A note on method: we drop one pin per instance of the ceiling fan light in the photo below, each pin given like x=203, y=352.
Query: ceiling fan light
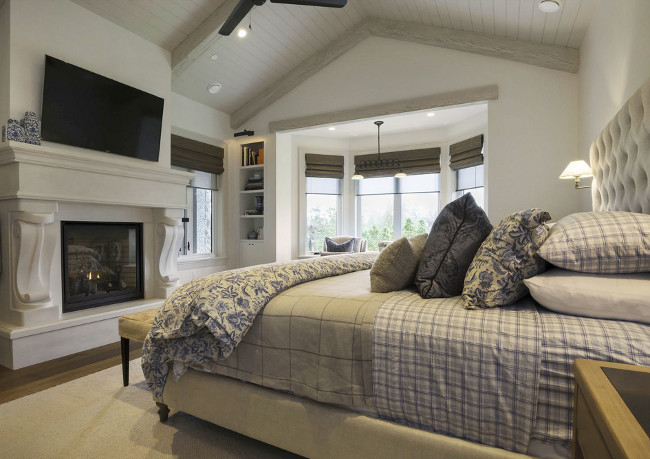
x=241, y=33
x=357, y=176
x=549, y=6
x=400, y=174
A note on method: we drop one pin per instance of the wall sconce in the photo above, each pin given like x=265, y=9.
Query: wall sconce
x=576, y=170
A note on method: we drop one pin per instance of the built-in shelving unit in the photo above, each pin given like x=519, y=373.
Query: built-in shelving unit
x=251, y=204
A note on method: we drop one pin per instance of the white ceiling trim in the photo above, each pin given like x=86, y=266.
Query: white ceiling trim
x=447, y=99
x=550, y=56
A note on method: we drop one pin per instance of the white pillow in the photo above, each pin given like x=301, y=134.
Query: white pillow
x=606, y=296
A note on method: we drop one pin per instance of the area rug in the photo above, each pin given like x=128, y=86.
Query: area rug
x=95, y=416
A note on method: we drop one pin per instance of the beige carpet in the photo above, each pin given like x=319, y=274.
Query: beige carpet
x=96, y=417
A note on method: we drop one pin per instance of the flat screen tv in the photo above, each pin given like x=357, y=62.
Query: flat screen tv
x=87, y=110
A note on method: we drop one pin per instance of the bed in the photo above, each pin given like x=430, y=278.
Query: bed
x=303, y=356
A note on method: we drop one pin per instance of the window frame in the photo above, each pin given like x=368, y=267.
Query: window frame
x=216, y=257
x=456, y=193
x=302, y=201
x=397, y=204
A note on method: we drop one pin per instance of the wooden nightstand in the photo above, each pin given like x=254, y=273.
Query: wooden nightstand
x=603, y=425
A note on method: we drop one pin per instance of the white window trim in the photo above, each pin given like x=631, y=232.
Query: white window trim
x=217, y=258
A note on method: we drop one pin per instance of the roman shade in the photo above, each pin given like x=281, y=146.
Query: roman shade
x=194, y=155
x=323, y=166
x=467, y=153
x=413, y=162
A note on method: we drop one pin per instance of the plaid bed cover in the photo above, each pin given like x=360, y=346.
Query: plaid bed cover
x=205, y=319
x=500, y=376
x=472, y=374
x=566, y=338
x=313, y=340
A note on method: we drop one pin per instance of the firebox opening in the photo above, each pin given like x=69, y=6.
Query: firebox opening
x=102, y=264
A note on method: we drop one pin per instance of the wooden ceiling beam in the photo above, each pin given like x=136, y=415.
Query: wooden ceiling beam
x=542, y=55
x=201, y=39
x=549, y=56
x=447, y=99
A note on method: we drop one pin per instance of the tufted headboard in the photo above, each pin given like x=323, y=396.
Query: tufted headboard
x=620, y=158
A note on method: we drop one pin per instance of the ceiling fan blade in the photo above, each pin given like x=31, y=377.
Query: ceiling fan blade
x=238, y=13
x=326, y=3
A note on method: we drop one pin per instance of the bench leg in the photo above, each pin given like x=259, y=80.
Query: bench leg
x=163, y=411
x=125, y=361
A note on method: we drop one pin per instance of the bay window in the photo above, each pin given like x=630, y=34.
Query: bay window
x=389, y=208
x=323, y=204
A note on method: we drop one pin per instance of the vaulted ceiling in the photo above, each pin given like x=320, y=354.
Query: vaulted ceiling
x=288, y=43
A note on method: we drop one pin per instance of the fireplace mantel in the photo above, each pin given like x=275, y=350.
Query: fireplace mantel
x=43, y=185
x=56, y=173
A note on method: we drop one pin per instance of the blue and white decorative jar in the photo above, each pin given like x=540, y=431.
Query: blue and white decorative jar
x=32, y=127
x=13, y=131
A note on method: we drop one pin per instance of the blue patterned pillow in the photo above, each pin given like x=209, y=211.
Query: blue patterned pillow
x=507, y=257
x=347, y=246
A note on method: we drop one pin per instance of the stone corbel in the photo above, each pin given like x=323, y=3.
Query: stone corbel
x=169, y=232
x=34, y=241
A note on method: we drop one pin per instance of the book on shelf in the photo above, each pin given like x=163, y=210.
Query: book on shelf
x=251, y=156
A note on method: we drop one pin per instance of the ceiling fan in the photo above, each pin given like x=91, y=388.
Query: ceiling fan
x=244, y=6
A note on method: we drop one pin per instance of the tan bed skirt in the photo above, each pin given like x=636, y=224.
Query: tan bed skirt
x=308, y=428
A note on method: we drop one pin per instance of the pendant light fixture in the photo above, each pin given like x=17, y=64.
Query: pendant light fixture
x=377, y=164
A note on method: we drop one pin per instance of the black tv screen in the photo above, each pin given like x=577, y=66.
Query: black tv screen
x=87, y=110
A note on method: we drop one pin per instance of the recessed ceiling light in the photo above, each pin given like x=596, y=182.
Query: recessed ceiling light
x=214, y=88
x=241, y=33
x=332, y=128
x=549, y=6
x=214, y=57
x=431, y=114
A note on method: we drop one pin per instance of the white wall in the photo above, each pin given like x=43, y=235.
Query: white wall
x=208, y=123
x=70, y=32
x=533, y=124
x=4, y=63
x=614, y=63
x=199, y=122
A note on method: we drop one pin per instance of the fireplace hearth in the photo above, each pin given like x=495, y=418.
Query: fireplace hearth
x=102, y=264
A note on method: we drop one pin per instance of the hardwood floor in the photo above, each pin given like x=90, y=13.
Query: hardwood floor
x=18, y=383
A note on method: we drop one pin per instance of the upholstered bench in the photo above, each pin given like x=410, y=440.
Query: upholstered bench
x=133, y=326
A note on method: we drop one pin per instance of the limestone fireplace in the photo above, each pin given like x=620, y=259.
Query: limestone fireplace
x=43, y=186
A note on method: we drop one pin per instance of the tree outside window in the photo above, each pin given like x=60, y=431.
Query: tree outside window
x=390, y=208
x=323, y=202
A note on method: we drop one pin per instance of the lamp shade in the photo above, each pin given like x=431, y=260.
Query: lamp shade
x=576, y=169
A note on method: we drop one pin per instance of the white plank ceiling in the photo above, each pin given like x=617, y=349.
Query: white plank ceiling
x=284, y=36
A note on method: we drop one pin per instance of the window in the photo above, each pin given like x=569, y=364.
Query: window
x=323, y=206
x=198, y=224
x=466, y=160
x=389, y=208
x=471, y=180
x=205, y=161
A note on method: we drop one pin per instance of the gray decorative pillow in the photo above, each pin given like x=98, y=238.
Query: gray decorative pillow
x=507, y=257
x=347, y=246
x=455, y=237
x=600, y=243
x=395, y=267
